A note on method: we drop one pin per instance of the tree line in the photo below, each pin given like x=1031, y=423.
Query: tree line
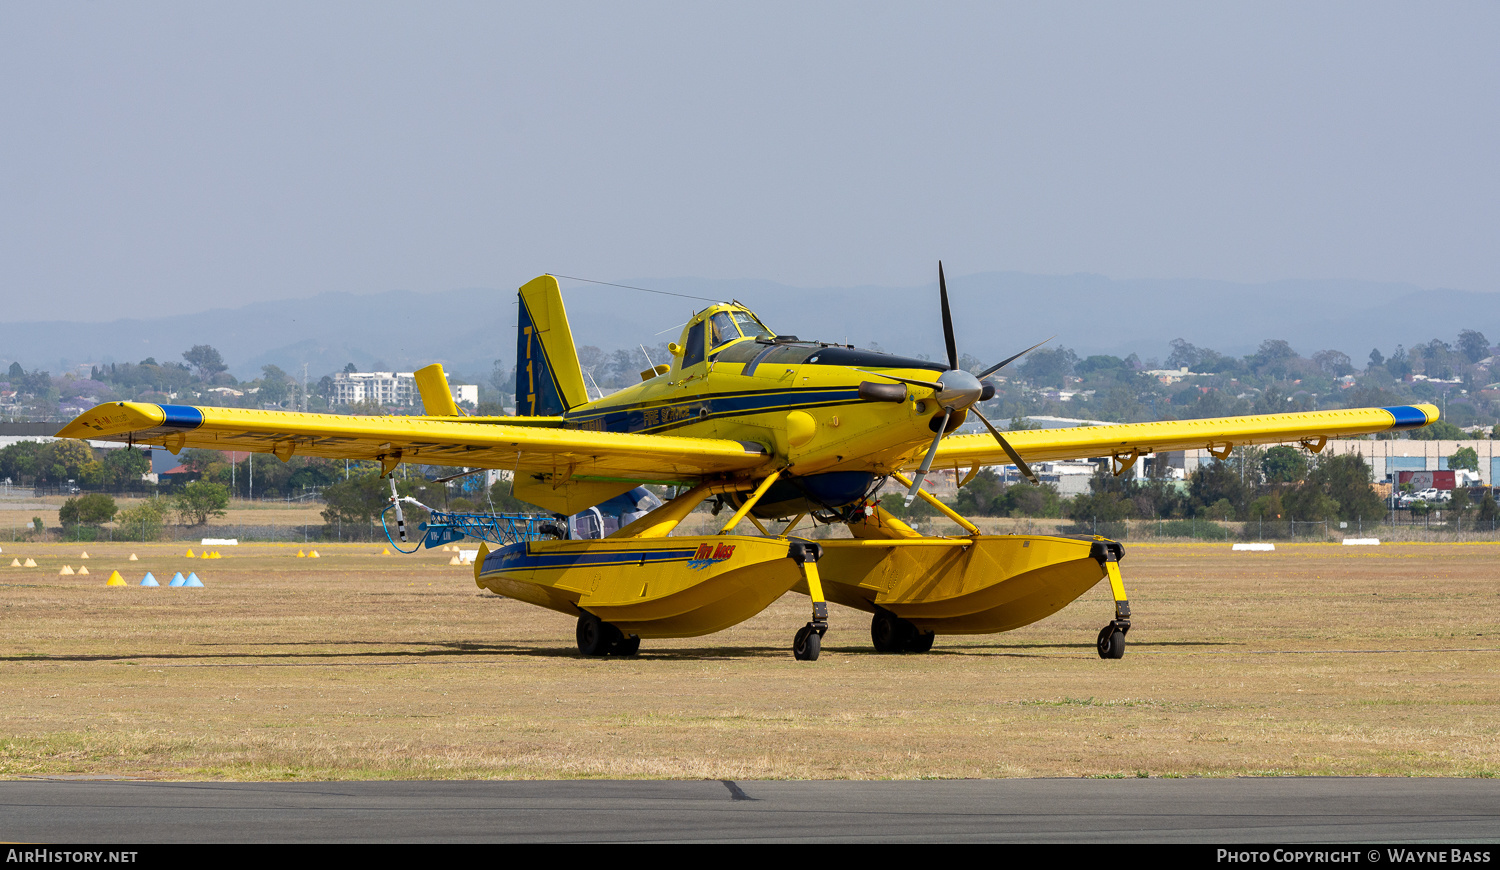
x=1253, y=484
x=58, y=462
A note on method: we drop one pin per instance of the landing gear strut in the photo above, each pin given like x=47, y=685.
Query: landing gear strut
x=1111, y=641
x=809, y=640
x=891, y=633
x=598, y=638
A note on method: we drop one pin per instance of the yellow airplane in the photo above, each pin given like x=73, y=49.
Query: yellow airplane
x=772, y=429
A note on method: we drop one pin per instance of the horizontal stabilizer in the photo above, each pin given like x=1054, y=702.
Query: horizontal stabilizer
x=437, y=396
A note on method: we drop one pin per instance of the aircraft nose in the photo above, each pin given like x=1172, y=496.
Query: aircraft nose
x=959, y=390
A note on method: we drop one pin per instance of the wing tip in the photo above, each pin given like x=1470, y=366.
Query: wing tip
x=1412, y=416
x=113, y=418
x=74, y=429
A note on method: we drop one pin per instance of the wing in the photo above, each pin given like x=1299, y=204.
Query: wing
x=1218, y=434
x=559, y=467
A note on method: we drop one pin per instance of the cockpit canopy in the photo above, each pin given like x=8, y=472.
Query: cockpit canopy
x=730, y=332
x=713, y=328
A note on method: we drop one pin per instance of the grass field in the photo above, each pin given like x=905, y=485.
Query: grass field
x=291, y=518
x=1314, y=659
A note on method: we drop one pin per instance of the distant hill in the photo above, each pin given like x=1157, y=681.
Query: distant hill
x=995, y=314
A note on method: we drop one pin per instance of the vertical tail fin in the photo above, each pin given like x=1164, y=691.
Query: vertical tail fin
x=548, y=378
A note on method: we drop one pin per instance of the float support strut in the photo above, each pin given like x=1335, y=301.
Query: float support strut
x=946, y=511
x=750, y=502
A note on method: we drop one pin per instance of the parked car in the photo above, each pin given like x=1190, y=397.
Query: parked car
x=1405, y=500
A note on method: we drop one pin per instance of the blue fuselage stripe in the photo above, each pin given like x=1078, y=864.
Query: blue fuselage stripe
x=669, y=414
x=518, y=557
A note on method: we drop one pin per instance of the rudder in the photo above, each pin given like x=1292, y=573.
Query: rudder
x=548, y=378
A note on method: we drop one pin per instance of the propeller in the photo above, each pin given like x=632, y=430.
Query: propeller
x=956, y=391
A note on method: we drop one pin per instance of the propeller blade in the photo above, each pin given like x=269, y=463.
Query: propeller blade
x=1003, y=363
x=916, y=482
x=931, y=385
x=1010, y=451
x=947, y=319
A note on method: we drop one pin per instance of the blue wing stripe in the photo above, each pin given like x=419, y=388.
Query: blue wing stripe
x=1407, y=417
x=178, y=418
x=181, y=417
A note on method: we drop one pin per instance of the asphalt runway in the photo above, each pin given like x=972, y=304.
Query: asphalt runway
x=1269, y=810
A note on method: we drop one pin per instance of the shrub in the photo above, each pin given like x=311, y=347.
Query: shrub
x=146, y=521
x=94, y=509
x=200, y=500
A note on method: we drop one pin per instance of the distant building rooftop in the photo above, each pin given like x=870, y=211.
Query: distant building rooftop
x=1171, y=376
x=29, y=428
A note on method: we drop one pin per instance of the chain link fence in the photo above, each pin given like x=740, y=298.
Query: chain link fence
x=246, y=532
x=1450, y=528
x=1395, y=526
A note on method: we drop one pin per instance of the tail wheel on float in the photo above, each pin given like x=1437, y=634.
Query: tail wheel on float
x=891, y=633
x=807, y=644
x=1111, y=642
x=808, y=641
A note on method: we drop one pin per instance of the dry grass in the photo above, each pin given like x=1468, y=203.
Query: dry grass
x=17, y=512
x=1315, y=659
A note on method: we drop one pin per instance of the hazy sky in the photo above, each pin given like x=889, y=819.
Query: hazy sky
x=177, y=157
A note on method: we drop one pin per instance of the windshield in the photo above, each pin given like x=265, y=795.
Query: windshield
x=720, y=330
x=749, y=326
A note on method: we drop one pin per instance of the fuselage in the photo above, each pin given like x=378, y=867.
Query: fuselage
x=731, y=378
